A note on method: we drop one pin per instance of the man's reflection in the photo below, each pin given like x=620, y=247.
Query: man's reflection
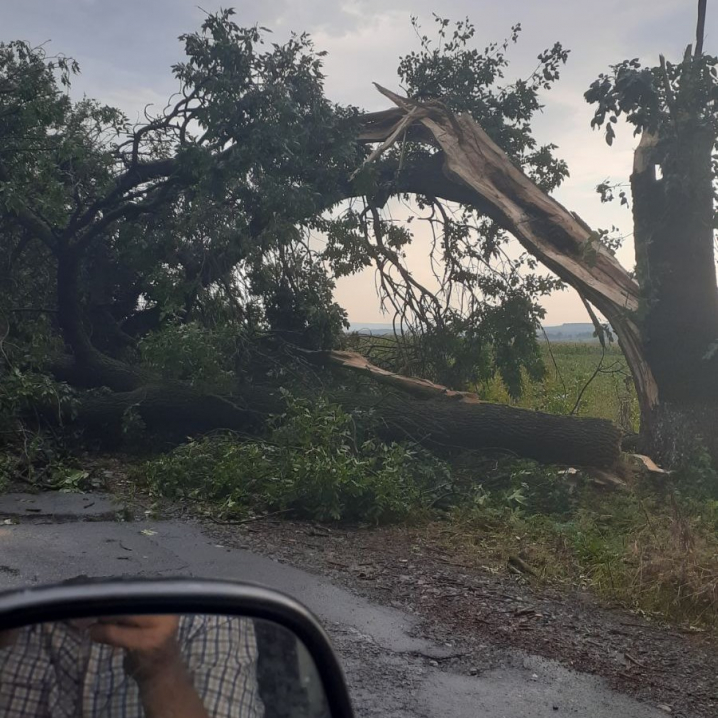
x=126, y=666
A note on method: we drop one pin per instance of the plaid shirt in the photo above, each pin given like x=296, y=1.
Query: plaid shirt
x=54, y=670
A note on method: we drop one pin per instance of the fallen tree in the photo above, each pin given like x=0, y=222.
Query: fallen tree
x=409, y=409
x=138, y=234
x=441, y=418
x=113, y=240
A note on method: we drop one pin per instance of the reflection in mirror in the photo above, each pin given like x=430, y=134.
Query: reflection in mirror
x=189, y=666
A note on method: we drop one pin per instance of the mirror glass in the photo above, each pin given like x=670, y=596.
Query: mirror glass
x=183, y=666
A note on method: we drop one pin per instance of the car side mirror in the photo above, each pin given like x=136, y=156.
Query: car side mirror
x=180, y=647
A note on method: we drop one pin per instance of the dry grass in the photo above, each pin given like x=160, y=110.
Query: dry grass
x=652, y=553
x=672, y=568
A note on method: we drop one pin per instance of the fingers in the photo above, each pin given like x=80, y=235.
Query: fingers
x=168, y=623
x=135, y=633
x=114, y=635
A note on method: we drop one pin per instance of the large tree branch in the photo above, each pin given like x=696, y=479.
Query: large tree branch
x=29, y=221
x=127, y=211
x=475, y=171
x=545, y=228
x=135, y=176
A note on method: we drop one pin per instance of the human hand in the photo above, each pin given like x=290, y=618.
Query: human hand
x=150, y=642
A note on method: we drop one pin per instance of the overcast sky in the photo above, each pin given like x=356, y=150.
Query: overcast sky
x=126, y=48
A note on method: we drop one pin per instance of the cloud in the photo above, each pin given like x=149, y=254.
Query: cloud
x=364, y=55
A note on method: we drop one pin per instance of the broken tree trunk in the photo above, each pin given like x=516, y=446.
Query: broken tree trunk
x=673, y=234
x=440, y=418
x=476, y=171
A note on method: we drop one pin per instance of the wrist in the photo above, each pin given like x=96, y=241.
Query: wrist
x=154, y=667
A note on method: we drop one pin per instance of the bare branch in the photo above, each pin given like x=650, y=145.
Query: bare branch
x=600, y=331
x=596, y=372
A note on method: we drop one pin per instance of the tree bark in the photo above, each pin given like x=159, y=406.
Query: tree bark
x=166, y=407
x=162, y=404
x=443, y=425
x=675, y=265
x=92, y=367
x=673, y=234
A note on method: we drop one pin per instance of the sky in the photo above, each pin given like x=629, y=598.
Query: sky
x=126, y=49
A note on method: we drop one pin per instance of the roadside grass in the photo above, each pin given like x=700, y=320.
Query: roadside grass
x=647, y=549
x=650, y=547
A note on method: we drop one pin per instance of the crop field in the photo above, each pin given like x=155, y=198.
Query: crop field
x=580, y=378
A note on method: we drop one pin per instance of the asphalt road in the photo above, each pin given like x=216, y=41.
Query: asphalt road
x=391, y=672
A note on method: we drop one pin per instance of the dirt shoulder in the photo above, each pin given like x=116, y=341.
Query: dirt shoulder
x=476, y=609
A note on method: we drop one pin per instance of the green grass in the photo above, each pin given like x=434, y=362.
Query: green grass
x=601, y=380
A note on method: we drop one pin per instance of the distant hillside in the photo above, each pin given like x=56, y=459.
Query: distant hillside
x=370, y=328
x=569, y=332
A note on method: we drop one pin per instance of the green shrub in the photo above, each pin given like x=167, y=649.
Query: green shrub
x=515, y=488
x=24, y=393
x=315, y=463
x=7, y=468
x=33, y=407
x=202, y=356
x=696, y=474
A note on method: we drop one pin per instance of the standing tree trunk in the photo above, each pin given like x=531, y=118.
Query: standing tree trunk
x=675, y=266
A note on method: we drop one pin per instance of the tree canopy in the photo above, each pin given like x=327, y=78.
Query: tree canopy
x=205, y=212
